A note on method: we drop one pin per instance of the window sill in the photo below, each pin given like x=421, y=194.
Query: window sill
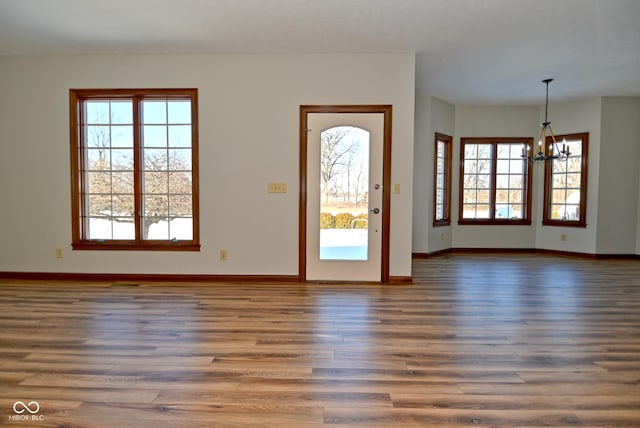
x=488, y=222
x=135, y=246
x=561, y=223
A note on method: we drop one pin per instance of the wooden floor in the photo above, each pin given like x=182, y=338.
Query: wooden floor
x=477, y=340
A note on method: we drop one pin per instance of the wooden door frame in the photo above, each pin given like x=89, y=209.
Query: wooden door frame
x=386, y=110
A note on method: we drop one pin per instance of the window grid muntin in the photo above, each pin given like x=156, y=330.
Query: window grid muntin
x=442, y=180
x=477, y=180
x=79, y=161
x=566, y=179
x=515, y=169
x=470, y=170
x=169, y=154
x=103, y=141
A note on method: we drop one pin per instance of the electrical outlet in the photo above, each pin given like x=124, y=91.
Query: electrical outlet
x=224, y=255
x=59, y=253
x=442, y=236
x=563, y=237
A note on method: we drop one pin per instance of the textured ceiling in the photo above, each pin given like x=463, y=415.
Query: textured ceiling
x=467, y=51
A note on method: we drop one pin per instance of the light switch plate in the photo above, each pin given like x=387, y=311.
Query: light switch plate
x=277, y=187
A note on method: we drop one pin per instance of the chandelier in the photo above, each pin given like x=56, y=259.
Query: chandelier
x=554, y=150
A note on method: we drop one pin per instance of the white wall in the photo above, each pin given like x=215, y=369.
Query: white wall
x=568, y=118
x=422, y=175
x=248, y=115
x=432, y=115
x=618, y=182
x=443, y=121
x=488, y=121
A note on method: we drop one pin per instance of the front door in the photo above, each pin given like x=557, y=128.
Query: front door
x=345, y=196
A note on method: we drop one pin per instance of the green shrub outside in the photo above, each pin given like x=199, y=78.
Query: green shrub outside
x=343, y=221
x=327, y=221
x=359, y=223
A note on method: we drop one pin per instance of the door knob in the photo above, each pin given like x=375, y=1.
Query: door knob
x=375, y=210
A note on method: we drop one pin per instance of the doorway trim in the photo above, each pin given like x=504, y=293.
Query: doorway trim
x=386, y=110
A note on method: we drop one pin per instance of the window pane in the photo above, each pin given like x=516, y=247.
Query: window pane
x=502, y=181
x=503, y=151
x=155, y=160
x=180, y=159
x=470, y=151
x=122, y=136
x=100, y=205
x=179, y=111
x=516, y=166
x=99, y=182
x=180, y=205
x=122, y=182
x=98, y=136
x=557, y=211
x=156, y=229
x=515, y=197
x=469, y=211
x=98, y=159
x=503, y=211
x=470, y=166
x=180, y=182
x=573, y=164
x=572, y=212
x=484, y=181
x=559, y=180
x=559, y=166
x=181, y=228
x=559, y=196
x=573, y=180
x=99, y=228
x=156, y=206
x=97, y=112
x=156, y=182
x=154, y=112
x=484, y=151
x=516, y=212
x=484, y=166
x=123, y=228
x=124, y=206
x=482, y=211
x=575, y=147
x=469, y=196
x=470, y=181
x=483, y=196
x=502, y=196
x=155, y=136
x=122, y=159
x=122, y=112
x=180, y=136
x=515, y=181
x=502, y=166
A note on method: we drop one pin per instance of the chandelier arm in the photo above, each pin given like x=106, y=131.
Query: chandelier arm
x=553, y=137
